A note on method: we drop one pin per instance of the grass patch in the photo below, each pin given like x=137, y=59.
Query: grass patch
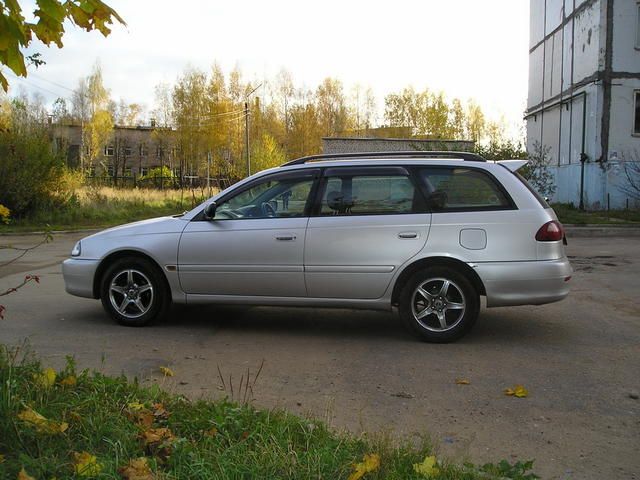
x=568, y=214
x=98, y=425
x=107, y=206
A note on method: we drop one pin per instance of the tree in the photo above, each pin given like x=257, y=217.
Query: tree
x=267, y=154
x=332, y=110
x=537, y=171
x=631, y=168
x=16, y=33
x=91, y=107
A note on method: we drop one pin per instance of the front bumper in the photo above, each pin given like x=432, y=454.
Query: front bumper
x=78, y=276
x=525, y=283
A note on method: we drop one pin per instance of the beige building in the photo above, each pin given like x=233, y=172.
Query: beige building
x=131, y=150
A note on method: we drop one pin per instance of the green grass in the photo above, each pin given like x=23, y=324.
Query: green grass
x=246, y=443
x=568, y=214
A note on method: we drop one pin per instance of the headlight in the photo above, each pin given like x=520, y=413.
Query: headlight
x=77, y=249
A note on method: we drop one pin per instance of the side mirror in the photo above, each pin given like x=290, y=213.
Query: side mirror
x=210, y=211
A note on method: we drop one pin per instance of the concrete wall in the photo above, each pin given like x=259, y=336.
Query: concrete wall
x=569, y=57
x=352, y=145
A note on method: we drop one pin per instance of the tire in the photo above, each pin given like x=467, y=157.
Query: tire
x=133, y=292
x=447, y=313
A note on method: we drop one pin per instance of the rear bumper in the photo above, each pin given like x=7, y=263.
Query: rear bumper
x=78, y=276
x=525, y=283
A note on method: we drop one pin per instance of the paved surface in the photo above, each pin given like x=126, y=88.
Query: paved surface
x=579, y=358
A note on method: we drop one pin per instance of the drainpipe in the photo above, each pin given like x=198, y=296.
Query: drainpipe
x=583, y=155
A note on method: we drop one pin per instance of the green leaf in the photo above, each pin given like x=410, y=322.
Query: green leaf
x=15, y=61
x=53, y=9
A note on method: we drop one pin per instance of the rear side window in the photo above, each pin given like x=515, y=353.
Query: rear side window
x=462, y=189
x=539, y=197
x=369, y=195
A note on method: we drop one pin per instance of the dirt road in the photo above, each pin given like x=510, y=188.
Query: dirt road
x=580, y=360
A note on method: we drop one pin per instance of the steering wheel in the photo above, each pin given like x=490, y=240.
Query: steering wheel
x=267, y=209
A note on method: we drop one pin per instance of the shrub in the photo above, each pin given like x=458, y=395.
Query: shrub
x=30, y=171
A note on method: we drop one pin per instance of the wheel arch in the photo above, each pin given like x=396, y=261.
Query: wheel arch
x=422, y=263
x=113, y=256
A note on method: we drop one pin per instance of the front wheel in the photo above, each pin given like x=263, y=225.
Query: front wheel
x=439, y=304
x=133, y=292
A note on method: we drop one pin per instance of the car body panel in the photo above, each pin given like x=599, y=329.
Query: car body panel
x=356, y=256
x=262, y=257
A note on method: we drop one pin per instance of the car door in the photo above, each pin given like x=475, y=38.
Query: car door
x=367, y=222
x=254, y=245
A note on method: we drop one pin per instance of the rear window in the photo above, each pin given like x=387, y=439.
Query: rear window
x=539, y=197
x=460, y=189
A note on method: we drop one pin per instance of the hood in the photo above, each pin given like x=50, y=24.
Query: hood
x=144, y=227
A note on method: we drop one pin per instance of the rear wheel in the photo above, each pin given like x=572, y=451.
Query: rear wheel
x=439, y=304
x=133, y=292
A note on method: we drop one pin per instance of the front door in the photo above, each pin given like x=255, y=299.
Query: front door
x=254, y=245
x=371, y=220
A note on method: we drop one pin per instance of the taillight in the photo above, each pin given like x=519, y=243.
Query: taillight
x=550, y=232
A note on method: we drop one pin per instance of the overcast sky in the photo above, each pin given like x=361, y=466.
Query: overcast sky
x=467, y=48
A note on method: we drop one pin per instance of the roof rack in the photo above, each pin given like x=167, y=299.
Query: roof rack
x=467, y=156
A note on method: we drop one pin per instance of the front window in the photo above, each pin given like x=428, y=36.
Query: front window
x=108, y=151
x=369, y=195
x=277, y=198
x=459, y=189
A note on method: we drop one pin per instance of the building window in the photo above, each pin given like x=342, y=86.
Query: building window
x=108, y=151
x=127, y=151
x=159, y=152
x=636, y=113
x=143, y=150
x=110, y=170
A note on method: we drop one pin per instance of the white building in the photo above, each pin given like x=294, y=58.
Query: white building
x=584, y=95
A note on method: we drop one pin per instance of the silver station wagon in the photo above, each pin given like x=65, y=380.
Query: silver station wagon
x=425, y=232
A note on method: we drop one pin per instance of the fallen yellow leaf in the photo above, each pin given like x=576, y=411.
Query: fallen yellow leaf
x=157, y=435
x=370, y=463
x=41, y=424
x=86, y=465
x=517, y=391
x=166, y=371
x=137, y=469
x=70, y=381
x=1, y=458
x=428, y=467
x=159, y=411
x=212, y=432
x=23, y=475
x=135, y=406
x=462, y=381
x=46, y=379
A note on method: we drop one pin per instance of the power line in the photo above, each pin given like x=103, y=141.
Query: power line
x=16, y=77
x=51, y=82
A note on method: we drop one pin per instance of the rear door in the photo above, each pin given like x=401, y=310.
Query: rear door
x=367, y=222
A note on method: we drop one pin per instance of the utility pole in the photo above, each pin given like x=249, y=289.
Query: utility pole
x=246, y=136
x=246, y=127
x=209, y=172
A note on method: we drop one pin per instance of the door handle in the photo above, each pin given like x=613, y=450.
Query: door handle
x=408, y=235
x=286, y=238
